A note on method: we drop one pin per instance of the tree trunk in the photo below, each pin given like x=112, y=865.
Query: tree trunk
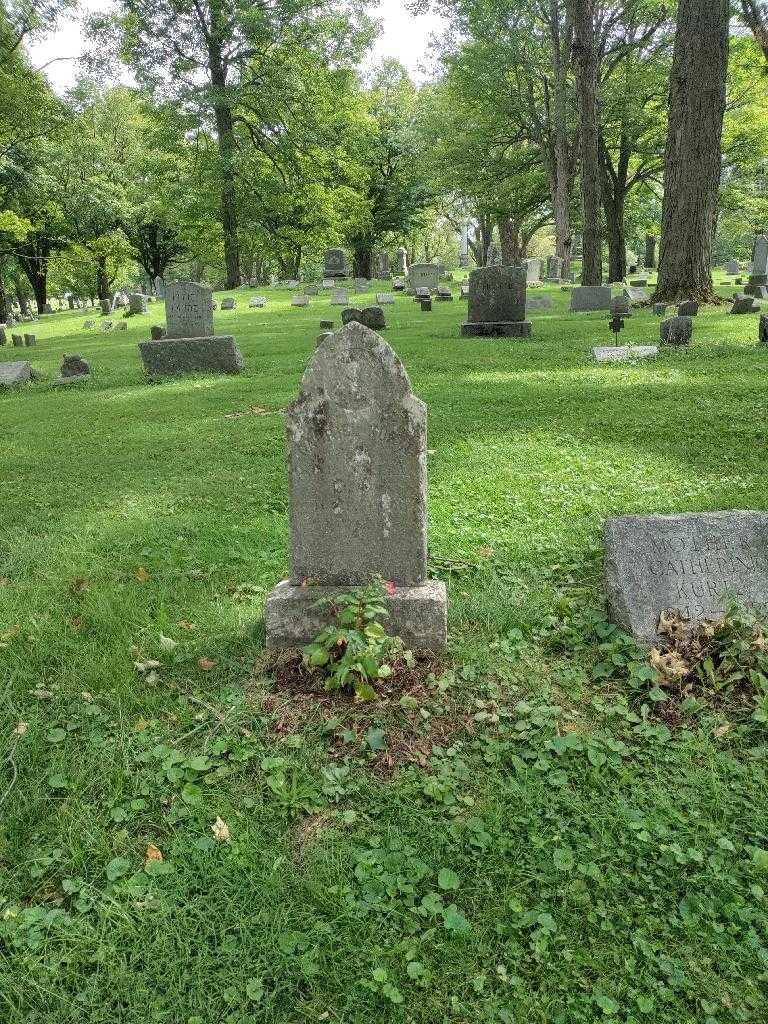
x=585, y=54
x=362, y=260
x=511, y=242
x=692, y=163
x=649, y=260
x=22, y=299
x=561, y=169
x=102, y=278
x=34, y=262
x=5, y=306
x=613, y=186
x=225, y=134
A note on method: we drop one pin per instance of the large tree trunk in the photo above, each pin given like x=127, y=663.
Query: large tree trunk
x=34, y=262
x=225, y=134
x=102, y=278
x=362, y=260
x=22, y=300
x=5, y=306
x=561, y=164
x=692, y=160
x=585, y=54
x=613, y=185
x=512, y=246
x=481, y=243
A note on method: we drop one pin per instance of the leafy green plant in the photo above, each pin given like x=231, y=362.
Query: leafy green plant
x=355, y=650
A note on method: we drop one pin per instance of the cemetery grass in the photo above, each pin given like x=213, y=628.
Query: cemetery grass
x=519, y=839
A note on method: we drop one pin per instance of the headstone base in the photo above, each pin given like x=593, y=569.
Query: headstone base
x=417, y=614
x=622, y=353
x=755, y=284
x=171, y=356
x=519, y=329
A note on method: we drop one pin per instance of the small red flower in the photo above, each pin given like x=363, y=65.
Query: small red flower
x=390, y=588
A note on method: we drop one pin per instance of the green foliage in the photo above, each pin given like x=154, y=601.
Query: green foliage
x=355, y=650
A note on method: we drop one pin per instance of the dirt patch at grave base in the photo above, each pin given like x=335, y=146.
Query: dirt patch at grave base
x=298, y=698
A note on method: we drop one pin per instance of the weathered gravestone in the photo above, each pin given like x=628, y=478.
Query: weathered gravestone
x=694, y=563
x=733, y=267
x=382, y=266
x=328, y=283
x=137, y=303
x=543, y=302
x=12, y=374
x=554, y=268
x=372, y=317
x=533, y=271
x=744, y=304
x=589, y=298
x=300, y=300
x=257, y=302
x=228, y=303
x=659, y=308
x=106, y=307
x=340, y=297
x=312, y=289
x=30, y=340
x=159, y=287
x=18, y=340
x=497, y=304
x=623, y=353
x=424, y=275
x=620, y=305
x=190, y=345
x=759, y=274
x=336, y=264
x=676, y=330
x=401, y=262
x=426, y=304
x=399, y=284
x=74, y=370
x=385, y=298
x=421, y=293
x=689, y=307
x=357, y=478
x=444, y=293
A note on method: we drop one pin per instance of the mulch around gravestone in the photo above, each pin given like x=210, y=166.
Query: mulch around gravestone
x=297, y=698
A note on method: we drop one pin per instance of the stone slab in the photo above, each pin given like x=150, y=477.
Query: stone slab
x=11, y=374
x=693, y=563
x=622, y=353
x=172, y=356
x=417, y=614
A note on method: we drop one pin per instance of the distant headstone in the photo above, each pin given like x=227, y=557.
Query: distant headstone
x=399, y=284
x=744, y=304
x=228, y=303
x=328, y=283
x=620, y=305
x=122, y=325
x=444, y=293
x=190, y=345
x=421, y=293
x=159, y=287
x=18, y=340
x=426, y=304
x=623, y=353
x=300, y=300
x=693, y=563
x=188, y=310
x=759, y=273
x=554, y=268
x=659, y=308
x=351, y=315
x=106, y=307
x=137, y=303
x=638, y=282
x=542, y=302
x=12, y=374
x=74, y=366
x=257, y=302
x=382, y=266
x=676, y=330
x=401, y=262
x=424, y=275
x=336, y=264
x=340, y=297
x=464, y=291
x=312, y=289
x=733, y=267
x=30, y=340
x=357, y=488
x=688, y=308
x=385, y=298
x=589, y=298
x=497, y=304
x=533, y=271
x=107, y=326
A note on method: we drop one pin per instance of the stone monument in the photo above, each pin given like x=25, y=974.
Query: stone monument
x=190, y=345
x=401, y=263
x=497, y=304
x=758, y=278
x=693, y=563
x=589, y=298
x=357, y=480
x=424, y=275
x=336, y=264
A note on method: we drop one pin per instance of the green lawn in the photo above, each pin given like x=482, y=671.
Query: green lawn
x=549, y=854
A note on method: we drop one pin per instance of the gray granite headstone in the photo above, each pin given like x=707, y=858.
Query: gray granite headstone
x=18, y=340
x=744, y=304
x=533, y=271
x=401, y=262
x=257, y=302
x=188, y=310
x=589, y=298
x=30, y=340
x=137, y=303
x=357, y=486
x=676, y=330
x=759, y=273
x=385, y=298
x=688, y=308
x=300, y=300
x=693, y=563
x=497, y=297
x=339, y=297
x=424, y=275
x=733, y=267
x=336, y=264
x=228, y=303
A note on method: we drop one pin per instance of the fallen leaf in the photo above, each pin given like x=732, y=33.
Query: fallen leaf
x=41, y=693
x=721, y=730
x=221, y=831
x=4, y=581
x=671, y=666
x=486, y=551
x=21, y=729
x=153, y=853
x=152, y=678
x=79, y=585
x=141, y=725
x=76, y=623
x=186, y=624
x=142, y=575
x=166, y=644
x=206, y=664
x=86, y=696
